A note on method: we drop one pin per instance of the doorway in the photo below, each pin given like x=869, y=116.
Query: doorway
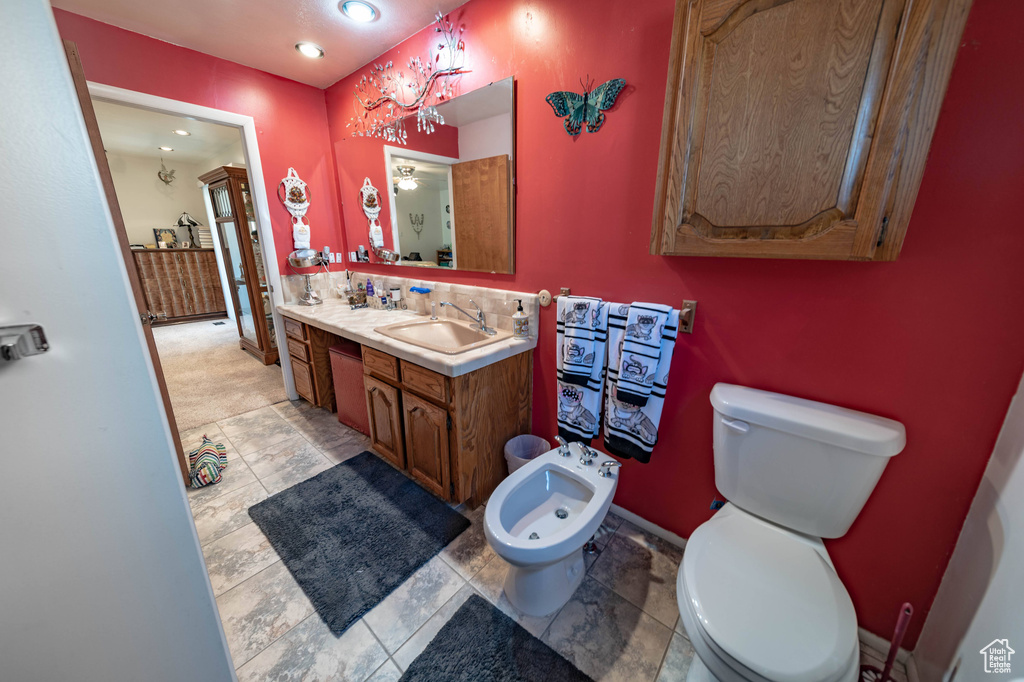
x=87, y=93
x=186, y=204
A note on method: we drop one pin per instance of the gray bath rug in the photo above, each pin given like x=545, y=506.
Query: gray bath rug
x=481, y=644
x=354, y=533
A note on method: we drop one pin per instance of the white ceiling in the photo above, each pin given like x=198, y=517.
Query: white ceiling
x=430, y=175
x=262, y=33
x=138, y=132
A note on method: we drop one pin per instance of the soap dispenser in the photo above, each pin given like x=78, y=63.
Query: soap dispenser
x=520, y=322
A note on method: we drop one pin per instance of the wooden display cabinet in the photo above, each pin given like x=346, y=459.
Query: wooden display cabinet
x=243, y=258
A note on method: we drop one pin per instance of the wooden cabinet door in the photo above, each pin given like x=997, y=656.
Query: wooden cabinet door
x=426, y=444
x=482, y=215
x=303, y=376
x=384, y=411
x=799, y=128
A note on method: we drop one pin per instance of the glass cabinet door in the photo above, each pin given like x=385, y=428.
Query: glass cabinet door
x=233, y=258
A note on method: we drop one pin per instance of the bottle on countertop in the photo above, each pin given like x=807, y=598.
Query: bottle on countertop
x=369, y=293
x=520, y=322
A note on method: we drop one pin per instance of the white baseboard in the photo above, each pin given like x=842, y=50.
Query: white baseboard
x=640, y=522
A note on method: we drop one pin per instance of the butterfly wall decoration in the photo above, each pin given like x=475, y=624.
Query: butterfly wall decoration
x=585, y=110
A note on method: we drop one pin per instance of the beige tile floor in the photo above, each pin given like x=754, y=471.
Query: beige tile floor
x=622, y=623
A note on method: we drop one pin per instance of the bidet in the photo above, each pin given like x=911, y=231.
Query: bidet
x=538, y=520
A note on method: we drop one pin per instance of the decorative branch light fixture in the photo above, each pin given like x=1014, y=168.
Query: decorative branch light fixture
x=386, y=96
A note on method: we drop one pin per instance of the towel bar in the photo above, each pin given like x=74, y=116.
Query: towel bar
x=687, y=312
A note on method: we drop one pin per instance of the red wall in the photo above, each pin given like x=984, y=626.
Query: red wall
x=935, y=340
x=289, y=116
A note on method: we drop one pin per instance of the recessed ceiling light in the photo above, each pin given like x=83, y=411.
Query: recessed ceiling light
x=181, y=132
x=358, y=10
x=311, y=50
x=166, y=149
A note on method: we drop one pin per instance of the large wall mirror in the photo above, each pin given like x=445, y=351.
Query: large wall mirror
x=453, y=206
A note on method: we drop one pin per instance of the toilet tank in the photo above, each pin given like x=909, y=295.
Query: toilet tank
x=802, y=464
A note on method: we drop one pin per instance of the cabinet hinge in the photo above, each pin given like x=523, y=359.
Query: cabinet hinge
x=882, y=232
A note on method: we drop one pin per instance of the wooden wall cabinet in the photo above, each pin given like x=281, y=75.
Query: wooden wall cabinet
x=180, y=284
x=448, y=433
x=799, y=128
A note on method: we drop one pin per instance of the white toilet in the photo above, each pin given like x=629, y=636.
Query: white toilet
x=758, y=595
x=539, y=518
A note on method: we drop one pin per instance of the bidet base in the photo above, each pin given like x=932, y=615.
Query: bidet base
x=542, y=590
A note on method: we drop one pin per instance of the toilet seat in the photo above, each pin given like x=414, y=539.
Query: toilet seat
x=767, y=602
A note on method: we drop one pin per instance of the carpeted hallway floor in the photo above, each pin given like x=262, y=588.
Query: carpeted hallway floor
x=209, y=377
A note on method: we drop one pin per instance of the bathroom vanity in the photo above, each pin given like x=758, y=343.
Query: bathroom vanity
x=442, y=418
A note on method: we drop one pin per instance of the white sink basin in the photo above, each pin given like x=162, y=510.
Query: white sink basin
x=443, y=336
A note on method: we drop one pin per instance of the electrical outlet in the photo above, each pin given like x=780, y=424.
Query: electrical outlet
x=330, y=258
x=352, y=257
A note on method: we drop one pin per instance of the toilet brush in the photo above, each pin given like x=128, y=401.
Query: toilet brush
x=869, y=673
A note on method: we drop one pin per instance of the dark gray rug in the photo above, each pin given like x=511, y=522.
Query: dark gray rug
x=354, y=533
x=481, y=644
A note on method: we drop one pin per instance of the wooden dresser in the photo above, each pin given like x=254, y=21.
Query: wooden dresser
x=180, y=284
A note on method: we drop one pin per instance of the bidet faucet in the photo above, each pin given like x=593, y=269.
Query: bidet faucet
x=478, y=318
x=606, y=468
x=563, y=447
x=589, y=455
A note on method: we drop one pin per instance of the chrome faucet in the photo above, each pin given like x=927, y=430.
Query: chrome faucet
x=563, y=447
x=606, y=468
x=588, y=456
x=478, y=318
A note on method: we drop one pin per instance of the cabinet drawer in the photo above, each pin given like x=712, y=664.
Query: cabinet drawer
x=381, y=364
x=303, y=375
x=298, y=350
x=425, y=382
x=294, y=329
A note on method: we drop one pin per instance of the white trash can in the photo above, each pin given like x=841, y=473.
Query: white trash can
x=522, y=449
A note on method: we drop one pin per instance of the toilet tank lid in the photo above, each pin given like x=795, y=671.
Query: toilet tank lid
x=810, y=419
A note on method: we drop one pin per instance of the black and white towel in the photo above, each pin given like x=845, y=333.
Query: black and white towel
x=631, y=430
x=641, y=351
x=582, y=336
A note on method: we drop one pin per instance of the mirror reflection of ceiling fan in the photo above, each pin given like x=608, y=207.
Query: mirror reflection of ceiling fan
x=405, y=180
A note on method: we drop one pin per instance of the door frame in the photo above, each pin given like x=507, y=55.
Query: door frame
x=254, y=167
x=391, y=150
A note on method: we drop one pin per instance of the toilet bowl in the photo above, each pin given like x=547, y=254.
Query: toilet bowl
x=760, y=602
x=758, y=595
x=538, y=520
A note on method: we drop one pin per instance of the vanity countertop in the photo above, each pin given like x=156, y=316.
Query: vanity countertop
x=335, y=316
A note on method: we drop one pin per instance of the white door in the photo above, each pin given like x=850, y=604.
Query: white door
x=101, y=575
